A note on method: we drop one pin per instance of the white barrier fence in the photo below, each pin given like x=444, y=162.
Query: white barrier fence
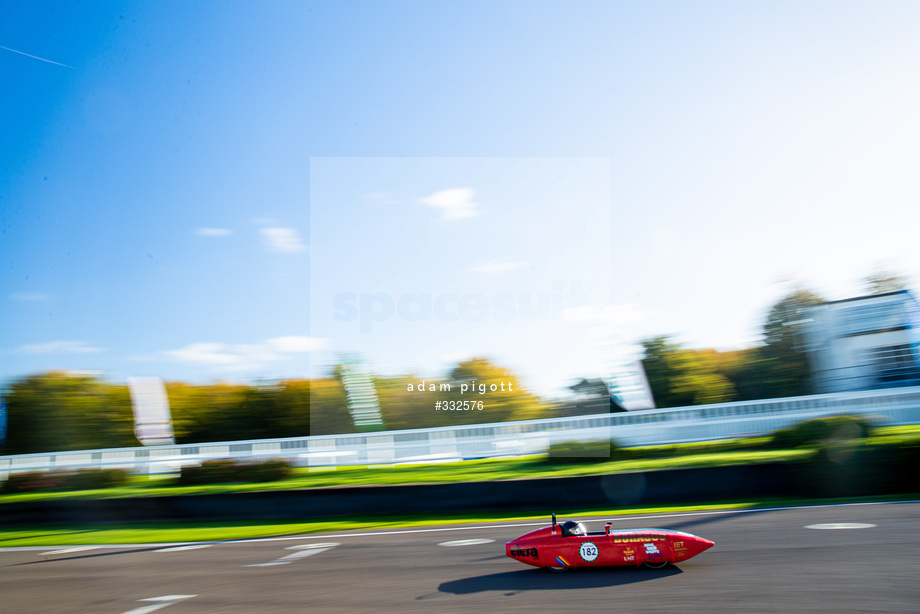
x=678, y=425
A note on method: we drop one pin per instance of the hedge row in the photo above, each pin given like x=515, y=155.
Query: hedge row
x=210, y=472
x=821, y=430
x=84, y=479
x=810, y=432
x=220, y=471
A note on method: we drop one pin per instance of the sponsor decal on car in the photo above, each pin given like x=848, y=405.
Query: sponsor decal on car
x=638, y=538
x=525, y=553
x=562, y=561
x=588, y=552
x=651, y=549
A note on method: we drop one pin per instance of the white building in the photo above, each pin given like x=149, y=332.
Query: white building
x=865, y=342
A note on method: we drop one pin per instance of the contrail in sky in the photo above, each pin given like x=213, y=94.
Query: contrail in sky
x=35, y=57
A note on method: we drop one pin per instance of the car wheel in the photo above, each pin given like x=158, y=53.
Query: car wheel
x=659, y=565
x=556, y=569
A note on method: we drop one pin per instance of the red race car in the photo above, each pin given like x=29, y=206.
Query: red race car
x=560, y=547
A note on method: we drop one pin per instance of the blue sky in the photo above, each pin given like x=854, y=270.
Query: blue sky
x=512, y=261
x=155, y=199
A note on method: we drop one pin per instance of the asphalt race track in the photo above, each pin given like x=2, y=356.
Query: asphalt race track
x=764, y=561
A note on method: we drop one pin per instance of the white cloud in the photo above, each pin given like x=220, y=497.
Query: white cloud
x=29, y=296
x=497, y=267
x=59, y=347
x=206, y=354
x=243, y=357
x=213, y=232
x=283, y=240
x=296, y=344
x=455, y=203
x=610, y=314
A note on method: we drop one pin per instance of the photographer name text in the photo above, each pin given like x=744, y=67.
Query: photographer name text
x=470, y=387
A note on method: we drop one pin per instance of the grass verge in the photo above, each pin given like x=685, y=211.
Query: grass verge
x=160, y=533
x=464, y=471
x=700, y=454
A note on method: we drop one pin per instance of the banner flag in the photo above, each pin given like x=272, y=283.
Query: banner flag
x=152, y=420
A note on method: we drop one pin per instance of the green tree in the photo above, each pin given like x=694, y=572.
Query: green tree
x=58, y=411
x=661, y=371
x=228, y=412
x=782, y=363
x=329, y=407
x=293, y=417
x=215, y=412
x=744, y=369
x=592, y=396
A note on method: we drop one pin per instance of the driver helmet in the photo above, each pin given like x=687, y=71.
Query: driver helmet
x=571, y=528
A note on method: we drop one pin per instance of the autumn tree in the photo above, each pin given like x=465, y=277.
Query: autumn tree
x=515, y=403
x=884, y=281
x=404, y=406
x=698, y=379
x=679, y=376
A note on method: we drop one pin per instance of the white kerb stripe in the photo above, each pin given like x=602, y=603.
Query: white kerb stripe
x=161, y=602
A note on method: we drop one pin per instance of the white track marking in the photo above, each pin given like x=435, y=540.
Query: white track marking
x=841, y=525
x=109, y=546
x=399, y=532
x=470, y=528
x=299, y=553
x=544, y=523
x=159, y=602
x=308, y=546
x=467, y=542
x=178, y=548
x=69, y=550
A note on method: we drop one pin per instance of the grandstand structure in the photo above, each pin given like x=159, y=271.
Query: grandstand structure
x=864, y=343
